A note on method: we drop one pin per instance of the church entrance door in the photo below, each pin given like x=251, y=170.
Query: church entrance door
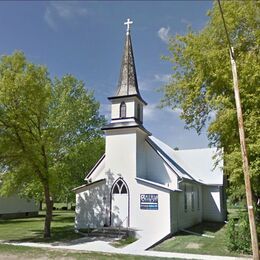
x=119, y=204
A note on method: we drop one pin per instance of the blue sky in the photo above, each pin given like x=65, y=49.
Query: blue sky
x=86, y=39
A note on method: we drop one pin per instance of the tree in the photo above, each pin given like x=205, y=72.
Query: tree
x=79, y=162
x=47, y=127
x=202, y=86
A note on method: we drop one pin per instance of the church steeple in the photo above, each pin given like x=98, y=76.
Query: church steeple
x=127, y=103
x=127, y=84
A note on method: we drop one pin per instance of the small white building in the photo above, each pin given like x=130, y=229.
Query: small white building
x=142, y=183
x=14, y=207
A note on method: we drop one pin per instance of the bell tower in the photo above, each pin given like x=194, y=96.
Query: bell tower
x=127, y=103
x=125, y=134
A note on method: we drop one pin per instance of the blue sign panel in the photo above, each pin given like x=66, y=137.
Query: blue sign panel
x=149, y=201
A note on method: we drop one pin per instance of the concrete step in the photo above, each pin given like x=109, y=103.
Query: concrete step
x=107, y=234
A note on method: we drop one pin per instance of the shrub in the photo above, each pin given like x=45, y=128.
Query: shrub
x=238, y=235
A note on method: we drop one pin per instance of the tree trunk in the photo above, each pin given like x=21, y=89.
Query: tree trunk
x=48, y=216
x=40, y=204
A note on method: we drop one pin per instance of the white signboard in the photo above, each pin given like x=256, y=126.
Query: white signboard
x=149, y=201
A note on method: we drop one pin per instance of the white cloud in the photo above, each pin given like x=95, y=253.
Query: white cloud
x=152, y=112
x=185, y=22
x=154, y=82
x=176, y=111
x=145, y=85
x=165, y=78
x=163, y=34
x=48, y=17
x=63, y=11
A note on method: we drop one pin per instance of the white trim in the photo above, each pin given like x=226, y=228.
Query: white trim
x=89, y=185
x=156, y=184
x=95, y=166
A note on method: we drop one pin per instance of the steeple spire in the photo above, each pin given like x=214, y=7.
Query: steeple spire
x=128, y=84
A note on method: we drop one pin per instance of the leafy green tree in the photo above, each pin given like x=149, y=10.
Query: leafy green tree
x=79, y=162
x=202, y=85
x=49, y=131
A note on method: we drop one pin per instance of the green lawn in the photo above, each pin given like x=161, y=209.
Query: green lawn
x=123, y=242
x=31, y=229
x=195, y=244
x=25, y=253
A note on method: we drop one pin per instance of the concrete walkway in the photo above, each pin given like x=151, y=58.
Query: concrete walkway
x=102, y=245
x=146, y=240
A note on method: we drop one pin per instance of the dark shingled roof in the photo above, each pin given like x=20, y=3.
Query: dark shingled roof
x=128, y=84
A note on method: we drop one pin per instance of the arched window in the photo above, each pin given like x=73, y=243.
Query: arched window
x=122, y=110
x=119, y=187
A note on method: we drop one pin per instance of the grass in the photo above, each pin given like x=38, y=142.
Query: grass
x=31, y=229
x=123, y=242
x=183, y=242
x=7, y=251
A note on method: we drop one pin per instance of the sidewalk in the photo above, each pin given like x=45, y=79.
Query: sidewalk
x=145, y=241
x=103, y=246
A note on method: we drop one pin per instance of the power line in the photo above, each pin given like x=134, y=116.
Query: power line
x=226, y=31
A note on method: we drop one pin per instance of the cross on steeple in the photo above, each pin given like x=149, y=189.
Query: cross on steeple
x=127, y=23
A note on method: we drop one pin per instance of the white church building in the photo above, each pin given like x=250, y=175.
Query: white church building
x=141, y=182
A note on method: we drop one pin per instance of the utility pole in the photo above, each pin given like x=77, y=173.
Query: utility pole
x=249, y=199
